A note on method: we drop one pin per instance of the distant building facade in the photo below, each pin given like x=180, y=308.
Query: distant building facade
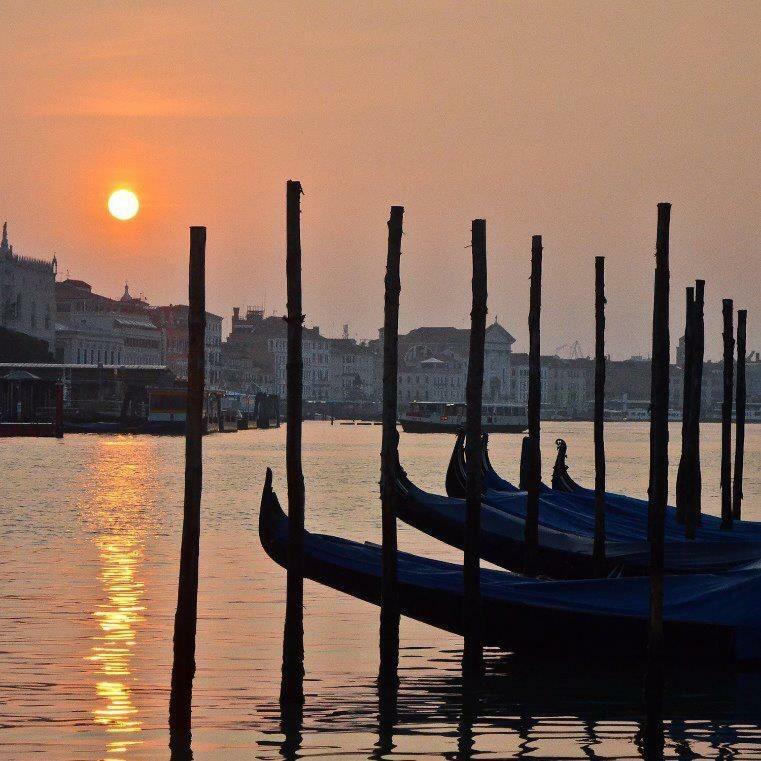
x=353, y=371
x=173, y=321
x=92, y=329
x=265, y=339
x=433, y=364
x=567, y=385
x=27, y=293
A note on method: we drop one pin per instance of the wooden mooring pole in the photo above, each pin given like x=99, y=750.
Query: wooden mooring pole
x=726, y=414
x=740, y=398
x=659, y=439
x=534, y=410
x=183, y=664
x=695, y=482
x=598, y=552
x=292, y=687
x=474, y=451
x=389, y=621
x=58, y=423
x=684, y=474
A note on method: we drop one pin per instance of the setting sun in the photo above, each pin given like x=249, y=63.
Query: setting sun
x=123, y=204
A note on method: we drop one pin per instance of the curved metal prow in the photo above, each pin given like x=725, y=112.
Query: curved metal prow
x=455, y=480
x=487, y=468
x=560, y=478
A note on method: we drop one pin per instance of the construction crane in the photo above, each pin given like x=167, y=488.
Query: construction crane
x=573, y=350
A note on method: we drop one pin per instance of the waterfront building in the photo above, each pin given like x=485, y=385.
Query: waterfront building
x=27, y=293
x=266, y=342
x=92, y=329
x=94, y=338
x=246, y=368
x=433, y=363
x=439, y=378
x=173, y=321
x=353, y=372
x=567, y=385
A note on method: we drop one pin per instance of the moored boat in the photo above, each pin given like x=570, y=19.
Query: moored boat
x=714, y=617
x=568, y=506
x=439, y=417
x=565, y=537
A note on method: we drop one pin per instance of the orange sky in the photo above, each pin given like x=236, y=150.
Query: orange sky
x=567, y=119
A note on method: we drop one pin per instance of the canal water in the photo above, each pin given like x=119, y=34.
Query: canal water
x=89, y=543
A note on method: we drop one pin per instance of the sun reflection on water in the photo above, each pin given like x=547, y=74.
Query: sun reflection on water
x=116, y=512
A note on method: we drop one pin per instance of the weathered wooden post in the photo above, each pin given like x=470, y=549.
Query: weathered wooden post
x=737, y=487
x=474, y=450
x=389, y=621
x=58, y=423
x=684, y=474
x=659, y=438
x=599, y=537
x=726, y=415
x=292, y=689
x=534, y=409
x=692, y=518
x=184, y=664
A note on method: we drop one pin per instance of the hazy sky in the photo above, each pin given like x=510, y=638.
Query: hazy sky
x=567, y=119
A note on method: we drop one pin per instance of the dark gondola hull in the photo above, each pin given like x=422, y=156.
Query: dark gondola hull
x=572, y=509
x=565, y=550
x=525, y=616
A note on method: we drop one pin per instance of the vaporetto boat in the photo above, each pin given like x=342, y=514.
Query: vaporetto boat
x=440, y=417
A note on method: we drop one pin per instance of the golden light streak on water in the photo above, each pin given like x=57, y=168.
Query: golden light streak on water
x=116, y=516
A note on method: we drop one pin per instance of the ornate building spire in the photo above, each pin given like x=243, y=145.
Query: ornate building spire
x=4, y=244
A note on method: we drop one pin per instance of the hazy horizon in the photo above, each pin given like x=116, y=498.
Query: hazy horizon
x=571, y=120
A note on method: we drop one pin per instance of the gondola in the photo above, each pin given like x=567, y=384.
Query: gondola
x=713, y=617
x=565, y=543
x=573, y=510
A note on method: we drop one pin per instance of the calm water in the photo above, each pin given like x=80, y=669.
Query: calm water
x=89, y=542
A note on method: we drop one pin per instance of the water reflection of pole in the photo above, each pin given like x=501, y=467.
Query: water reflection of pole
x=650, y=739
x=525, y=724
x=291, y=722
x=388, y=711
x=292, y=685
x=591, y=739
x=471, y=686
x=183, y=665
